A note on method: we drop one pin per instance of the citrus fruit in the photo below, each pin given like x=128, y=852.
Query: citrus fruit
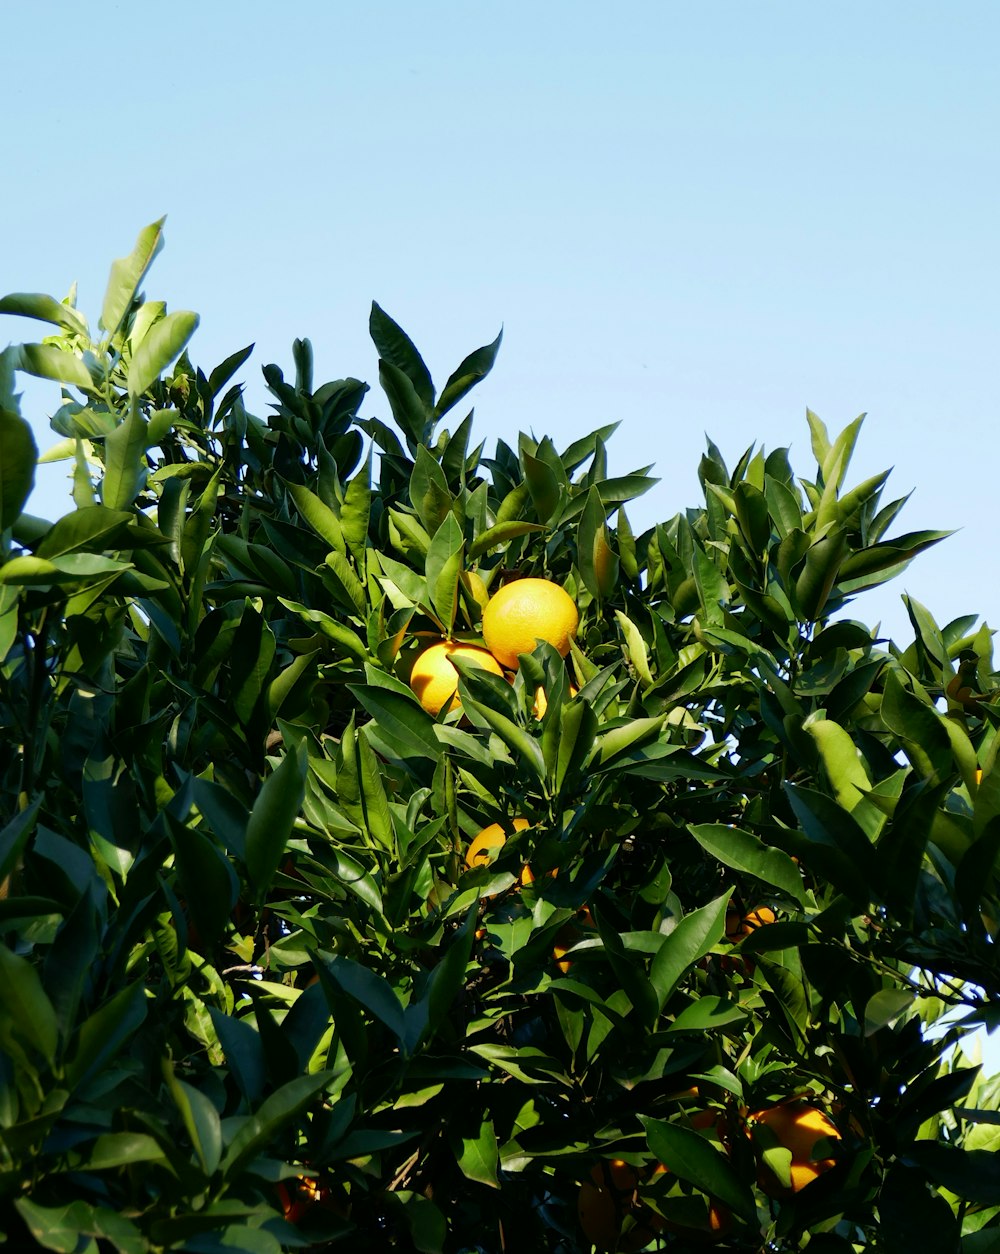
x=435, y=680
x=606, y=1200
x=798, y=1126
x=541, y=703
x=490, y=840
x=568, y=936
x=525, y=611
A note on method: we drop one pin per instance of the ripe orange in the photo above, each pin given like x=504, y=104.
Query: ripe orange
x=604, y=1202
x=568, y=936
x=738, y=928
x=435, y=680
x=490, y=840
x=521, y=613
x=542, y=702
x=798, y=1126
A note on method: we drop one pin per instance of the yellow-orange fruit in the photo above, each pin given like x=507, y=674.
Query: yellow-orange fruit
x=542, y=702
x=435, y=680
x=489, y=842
x=568, y=936
x=798, y=1126
x=525, y=611
x=604, y=1202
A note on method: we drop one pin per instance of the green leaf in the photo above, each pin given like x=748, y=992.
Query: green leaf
x=636, y=651
x=92, y=526
x=745, y=852
x=706, y=1013
x=378, y=818
x=257, y=1131
x=822, y=565
x=442, y=566
x=348, y=582
x=401, y=717
x=15, y=835
x=125, y=461
x=690, y=940
x=356, y=510
x=104, y=1033
x=18, y=457
x=841, y=760
x=696, y=1160
x=207, y=879
x=44, y=309
x=48, y=362
x=499, y=534
x=911, y=1218
x=919, y=727
x=972, y=1174
x=272, y=817
x=365, y=986
x=126, y=275
x=478, y=1155
x=885, y=1007
x=320, y=517
x=429, y=494
x=396, y=347
x=473, y=369
x=119, y=1149
x=411, y=415
x=26, y=1014
x=159, y=347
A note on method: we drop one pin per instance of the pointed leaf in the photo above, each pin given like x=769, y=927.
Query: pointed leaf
x=126, y=275
x=473, y=369
x=695, y=1159
x=272, y=818
x=159, y=347
x=396, y=347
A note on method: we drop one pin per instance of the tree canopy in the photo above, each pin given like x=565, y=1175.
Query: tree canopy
x=707, y=979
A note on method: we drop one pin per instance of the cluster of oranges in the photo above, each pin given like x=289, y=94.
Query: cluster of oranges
x=515, y=619
x=614, y=1216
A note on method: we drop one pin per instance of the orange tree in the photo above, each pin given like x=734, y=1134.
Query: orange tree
x=254, y=992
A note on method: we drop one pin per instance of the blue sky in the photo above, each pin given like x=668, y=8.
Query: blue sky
x=690, y=217
x=693, y=218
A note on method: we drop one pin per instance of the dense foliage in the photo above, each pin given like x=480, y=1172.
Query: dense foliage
x=251, y=995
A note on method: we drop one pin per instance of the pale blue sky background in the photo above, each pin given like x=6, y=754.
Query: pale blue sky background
x=691, y=217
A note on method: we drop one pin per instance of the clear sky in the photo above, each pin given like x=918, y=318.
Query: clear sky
x=696, y=217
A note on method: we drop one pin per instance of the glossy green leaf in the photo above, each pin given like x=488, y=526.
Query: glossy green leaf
x=283, y=1105
x=691, y=939
x=320, y=517
x=207, y=879
x=126, y=275
x=272, y=817
x=159, y=347
x=472, y=370
x=48, y=362
x=26, y=1014
x=695, y=1159
x=396, y=347
x=745, y=852
x=18, y=455
x=44, y=309
x=125, y=461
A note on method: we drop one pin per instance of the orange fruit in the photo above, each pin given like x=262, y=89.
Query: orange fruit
x=435, y=680
x=525, y=611
x=490, y=840
x=568, y=936
x=604, y=1202
x=798, y=1126
x=542, y=702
